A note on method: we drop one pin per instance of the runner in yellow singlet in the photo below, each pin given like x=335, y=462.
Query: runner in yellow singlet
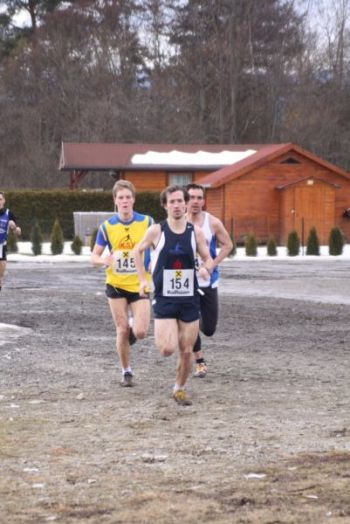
x=118, y=236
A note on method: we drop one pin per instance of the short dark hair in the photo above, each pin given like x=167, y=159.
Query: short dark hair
x=2, y=193
x=171, y=189
x=195, y=186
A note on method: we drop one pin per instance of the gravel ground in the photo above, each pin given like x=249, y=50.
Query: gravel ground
x=267, y=437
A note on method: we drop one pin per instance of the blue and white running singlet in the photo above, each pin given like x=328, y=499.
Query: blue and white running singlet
x=173, y=264
x=210, y=239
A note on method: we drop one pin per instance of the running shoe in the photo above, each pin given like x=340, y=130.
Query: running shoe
x=180, y=396
x=132, y=338
x=201, y=370
x=127, y=380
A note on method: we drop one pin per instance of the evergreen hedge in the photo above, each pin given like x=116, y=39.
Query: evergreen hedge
x=46, y=206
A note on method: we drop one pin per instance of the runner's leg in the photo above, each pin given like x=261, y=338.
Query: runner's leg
x=166, y=335
x=188, y=332
x=2, y=271
x=209, y=311
x=209, y=308
x=141, y=312
x=119, y=310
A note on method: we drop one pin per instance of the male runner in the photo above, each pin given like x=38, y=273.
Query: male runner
x=175, y=243
x=7, y=221
x=214, y=233
x=120, y=234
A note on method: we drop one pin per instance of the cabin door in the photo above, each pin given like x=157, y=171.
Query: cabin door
x=307, y=205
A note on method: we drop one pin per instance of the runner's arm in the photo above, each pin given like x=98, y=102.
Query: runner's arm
x=208, y=264
x=148, y=240
x=97, y=257
x=13, y=224
x=223, y=238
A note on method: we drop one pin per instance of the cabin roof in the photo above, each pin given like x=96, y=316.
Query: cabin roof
x=265, y=154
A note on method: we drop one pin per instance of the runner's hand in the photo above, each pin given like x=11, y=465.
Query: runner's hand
x=203, y=272
x=108, y=259
x=144, y=289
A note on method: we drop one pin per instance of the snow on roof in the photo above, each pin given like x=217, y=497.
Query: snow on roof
x=200, y=158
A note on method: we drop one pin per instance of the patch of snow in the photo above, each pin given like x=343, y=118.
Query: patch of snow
x=25, y=254
x=199, y=158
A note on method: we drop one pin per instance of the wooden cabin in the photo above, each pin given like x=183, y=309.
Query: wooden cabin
x=150, y=167
x=270, y=189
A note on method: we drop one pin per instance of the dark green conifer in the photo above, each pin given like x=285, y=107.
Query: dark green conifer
x=77, y=245
x=313, y=244
x=293, y=244
x=57, y=240
x=36, y=238
x=271, y=247
x=335, y=242
x=93, y=239
x=234, y=248
x=12, y=246
x=251, y=248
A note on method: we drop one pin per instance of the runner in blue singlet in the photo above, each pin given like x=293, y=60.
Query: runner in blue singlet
x=7, y=221
x=175, y=243
x=214, y=233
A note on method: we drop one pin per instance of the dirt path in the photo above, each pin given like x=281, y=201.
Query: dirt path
x=266, y=440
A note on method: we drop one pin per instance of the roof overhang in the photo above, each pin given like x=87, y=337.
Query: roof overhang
x=308, y=181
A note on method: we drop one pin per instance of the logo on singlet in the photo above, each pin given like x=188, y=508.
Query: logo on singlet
x=177, y=250
x=126, y=243
x=177, y=264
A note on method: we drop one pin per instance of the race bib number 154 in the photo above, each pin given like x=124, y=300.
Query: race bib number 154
x=178, y=282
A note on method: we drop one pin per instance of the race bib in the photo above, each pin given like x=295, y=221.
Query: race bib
x=202, y=282
x=1, y=250
x=178, y=282
x=123, y=262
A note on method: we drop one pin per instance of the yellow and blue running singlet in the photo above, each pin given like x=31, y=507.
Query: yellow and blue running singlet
x=120, y=238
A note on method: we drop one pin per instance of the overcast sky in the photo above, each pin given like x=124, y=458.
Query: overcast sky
x=320, y=12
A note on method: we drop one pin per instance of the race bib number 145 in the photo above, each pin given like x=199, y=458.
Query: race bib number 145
x=123, y=262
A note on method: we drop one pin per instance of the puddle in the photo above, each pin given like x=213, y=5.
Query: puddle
x=9, y=332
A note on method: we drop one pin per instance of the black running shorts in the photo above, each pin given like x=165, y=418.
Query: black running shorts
x=4, y=253
x=116, y=292
x=184, y=311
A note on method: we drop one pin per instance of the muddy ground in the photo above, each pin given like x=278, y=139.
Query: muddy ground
x=267, y=439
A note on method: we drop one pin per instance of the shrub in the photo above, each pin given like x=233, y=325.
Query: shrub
x=36, y=238
x=77, y=245
x=56, y=237
x=234, y=248
x=93, y=239
x=313, y=244
x=250, y=245
x=293, y=244
x=271, y=247
x=12, y=246
x=46, y=205
x=335, y=241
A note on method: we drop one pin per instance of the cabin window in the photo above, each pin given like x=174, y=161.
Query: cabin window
x=290, y=160
x=180, y=179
